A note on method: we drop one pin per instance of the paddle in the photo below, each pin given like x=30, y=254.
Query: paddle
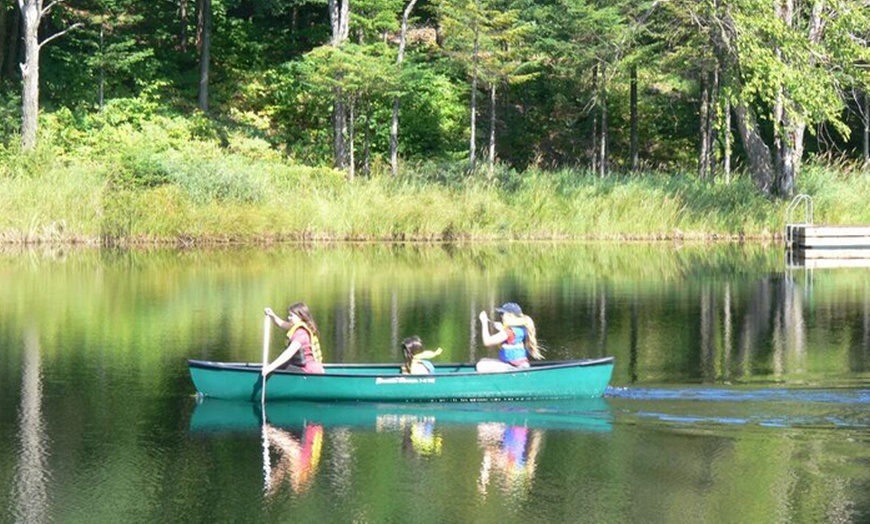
x=267, y=322
x=267, y=464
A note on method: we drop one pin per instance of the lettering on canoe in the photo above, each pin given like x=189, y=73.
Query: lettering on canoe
x=404, y=380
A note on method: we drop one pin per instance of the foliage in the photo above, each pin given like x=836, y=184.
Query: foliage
x=274, y=83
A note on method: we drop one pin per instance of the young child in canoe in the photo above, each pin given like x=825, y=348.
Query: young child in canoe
x=417, y=358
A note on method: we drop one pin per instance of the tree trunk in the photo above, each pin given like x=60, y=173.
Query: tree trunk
x=602, y=164
x=205, y=55
x=492, y=120
x=793, y=126
x=703, y=114
x=473, y=139
x=199, y=26
x=339, y=16
x=757, y=151
x=633, y=104
x=2, y=36
x=595, y=118
x=102, y=89
x=30, y=11
x=14, y=43
x=367, y=149
x=351, y=164
x=394, y=126
x=712, y=122
x=866, y=129
x=182, y=36
x=726, y=140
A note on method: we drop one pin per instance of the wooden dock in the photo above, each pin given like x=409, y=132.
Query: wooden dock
x=822, y=246
x=831, y=241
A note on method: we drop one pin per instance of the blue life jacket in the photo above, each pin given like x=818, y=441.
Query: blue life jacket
x=514, y=348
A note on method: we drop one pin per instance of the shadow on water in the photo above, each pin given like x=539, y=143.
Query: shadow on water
x=809, y=408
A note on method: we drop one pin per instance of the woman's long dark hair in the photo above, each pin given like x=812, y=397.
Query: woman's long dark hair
x=300, y=309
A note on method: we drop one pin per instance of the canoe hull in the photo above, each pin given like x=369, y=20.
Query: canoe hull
x=383, y=383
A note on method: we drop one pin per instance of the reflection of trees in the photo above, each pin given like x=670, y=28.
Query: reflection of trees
x=31, y=476
x=700, y=312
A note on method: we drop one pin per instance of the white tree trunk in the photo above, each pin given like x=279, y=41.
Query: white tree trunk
x=726, y=160
x=351, y=165
x=394, y=127
x=866, y=117
x=704, y=128
x=31, y=12
x=492, y=120
x=472, y=143
x=602, y=166
x=339, y=17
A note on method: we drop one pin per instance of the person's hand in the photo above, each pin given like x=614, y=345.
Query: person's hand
x=264, y=372
x=483, y=317
x=269, y=312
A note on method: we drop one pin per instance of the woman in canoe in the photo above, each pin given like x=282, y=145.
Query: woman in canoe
x=515, y=336
x=302, y=343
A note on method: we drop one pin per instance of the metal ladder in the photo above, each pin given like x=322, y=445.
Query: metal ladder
x=807, y=201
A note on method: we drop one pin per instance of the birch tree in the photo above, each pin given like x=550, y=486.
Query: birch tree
x=32, y=12
x=394, y=124
x=339, y=19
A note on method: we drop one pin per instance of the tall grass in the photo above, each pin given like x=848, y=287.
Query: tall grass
x=155, y=181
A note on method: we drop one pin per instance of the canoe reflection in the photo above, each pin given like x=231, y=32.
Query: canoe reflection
x=509, y=434
x=216, y=415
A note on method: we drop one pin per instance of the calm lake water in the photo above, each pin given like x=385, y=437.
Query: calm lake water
x=740, y=393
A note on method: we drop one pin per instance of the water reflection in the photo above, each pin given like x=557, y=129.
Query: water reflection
x=509, y=436
x=31, y=475
x=510, y=453
x=222, y=416
x=298, y=456
x=419, y=436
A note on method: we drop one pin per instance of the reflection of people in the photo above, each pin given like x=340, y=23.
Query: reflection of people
x=515, y=335
x=510, y=452
x=416, y=358
x=420, y=437
x=300, y=456
x=302, y=347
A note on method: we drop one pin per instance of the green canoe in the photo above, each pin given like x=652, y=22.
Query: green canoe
x=586, y=378
x=213, y=415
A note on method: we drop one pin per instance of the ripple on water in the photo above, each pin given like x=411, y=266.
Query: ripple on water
x=768, y=407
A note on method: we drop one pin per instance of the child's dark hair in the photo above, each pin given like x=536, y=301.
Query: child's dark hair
x=411, y=346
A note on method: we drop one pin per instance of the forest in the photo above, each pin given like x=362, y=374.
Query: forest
x=456, y=92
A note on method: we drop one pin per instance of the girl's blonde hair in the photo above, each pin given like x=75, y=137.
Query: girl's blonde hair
x=531, y=341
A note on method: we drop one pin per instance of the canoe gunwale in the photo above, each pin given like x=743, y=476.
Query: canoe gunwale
x=535, y=367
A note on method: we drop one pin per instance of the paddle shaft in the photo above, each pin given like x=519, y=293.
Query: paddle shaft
x=267, y=323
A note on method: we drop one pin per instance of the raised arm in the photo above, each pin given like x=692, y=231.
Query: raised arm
x=491, y=339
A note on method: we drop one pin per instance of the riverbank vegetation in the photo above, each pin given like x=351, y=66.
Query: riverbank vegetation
x=241, y=121
x=166, y=179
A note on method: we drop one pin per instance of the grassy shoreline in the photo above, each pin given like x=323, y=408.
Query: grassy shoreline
x=155, y=183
